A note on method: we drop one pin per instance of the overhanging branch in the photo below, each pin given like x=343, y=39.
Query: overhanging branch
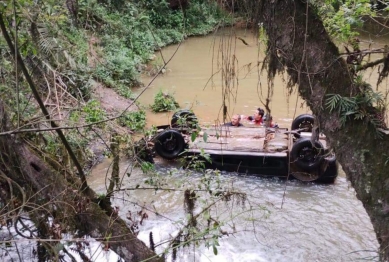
x=371, y=64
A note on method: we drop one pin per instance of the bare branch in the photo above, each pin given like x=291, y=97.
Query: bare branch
x=19, y=60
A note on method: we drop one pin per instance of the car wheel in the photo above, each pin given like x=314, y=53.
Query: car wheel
x=184, y=119
x=305, y=122
x=169, y=144
x=306, y=155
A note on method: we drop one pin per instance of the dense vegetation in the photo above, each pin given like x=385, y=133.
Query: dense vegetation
x=72, y=52
x=70, y=49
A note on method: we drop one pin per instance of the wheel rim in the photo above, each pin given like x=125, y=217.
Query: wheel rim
x=170, y=144
x=307, y=125
x=308, y=154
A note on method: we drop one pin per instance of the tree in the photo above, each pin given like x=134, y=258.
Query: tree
x=56, y=201
x=299, y=44
x=48, y=51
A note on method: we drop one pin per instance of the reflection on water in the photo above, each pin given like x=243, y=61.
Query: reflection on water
x=279, y=221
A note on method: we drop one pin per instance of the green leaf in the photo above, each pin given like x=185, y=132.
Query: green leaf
x=214, y=250
x=205, y=137
x=207, y=215
x=194, y=136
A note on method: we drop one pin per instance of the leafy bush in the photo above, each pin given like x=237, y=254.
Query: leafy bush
x=93, y=112
x=164, y=102
x=341, y=18
x=129, y=35
x=134, y=120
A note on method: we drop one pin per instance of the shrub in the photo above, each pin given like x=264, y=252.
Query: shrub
x=93, y=112
x=134, y=120
x=163, y=102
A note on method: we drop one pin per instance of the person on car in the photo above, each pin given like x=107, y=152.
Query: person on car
x=257, y=119
x=269, y=122
x=235, y=121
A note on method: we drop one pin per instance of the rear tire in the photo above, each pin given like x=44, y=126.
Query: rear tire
x=306, y=156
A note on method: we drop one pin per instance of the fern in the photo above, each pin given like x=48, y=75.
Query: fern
x=332, y=101
x=343, y=104
x=359, y=107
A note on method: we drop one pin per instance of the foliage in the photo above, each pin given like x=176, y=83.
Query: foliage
x=186, y=119
x=200, y=17
x=163, y=101
x=147, y=167
x=156, y=66
x=21, y=101
x=120, y=62
x=135, y=120
x=204, y=16
x=341, y=18
x=197, y=162
x=57, y=46
x=124, y=91
x=157, y=12
x=130, y=35
x=93, y=112
x=358, y=107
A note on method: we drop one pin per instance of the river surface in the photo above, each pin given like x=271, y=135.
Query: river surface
x=196, y=79
x=280, y=220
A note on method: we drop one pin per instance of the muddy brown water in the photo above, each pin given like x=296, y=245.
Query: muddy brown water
x=280, y=220
x=194, y=77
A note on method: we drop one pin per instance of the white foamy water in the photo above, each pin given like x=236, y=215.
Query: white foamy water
x=279, y=221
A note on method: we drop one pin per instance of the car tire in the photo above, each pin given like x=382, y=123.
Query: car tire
x=169, y=144
x=184, y=119
x=307, y=156
x=303, y=121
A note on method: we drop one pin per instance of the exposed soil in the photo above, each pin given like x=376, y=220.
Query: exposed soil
x=111, y=101
x=114, y=105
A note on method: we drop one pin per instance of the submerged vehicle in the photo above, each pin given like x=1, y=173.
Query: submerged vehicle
x=260, y=151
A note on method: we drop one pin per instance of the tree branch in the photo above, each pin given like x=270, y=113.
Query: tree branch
x=62, y=137
x=371, y=64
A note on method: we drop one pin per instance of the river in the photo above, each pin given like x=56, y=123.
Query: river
x=279, y=220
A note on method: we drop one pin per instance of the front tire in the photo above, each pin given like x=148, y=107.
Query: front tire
x=184, y=119
x=169, y=144
x=304, y=121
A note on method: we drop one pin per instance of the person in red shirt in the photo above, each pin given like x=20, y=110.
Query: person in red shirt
x=257, y=118
x=270, y=123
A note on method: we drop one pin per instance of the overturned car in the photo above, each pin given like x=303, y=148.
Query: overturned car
x=260, y=151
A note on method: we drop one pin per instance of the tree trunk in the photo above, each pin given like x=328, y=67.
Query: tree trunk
x=51, y=195
x=299, y=43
